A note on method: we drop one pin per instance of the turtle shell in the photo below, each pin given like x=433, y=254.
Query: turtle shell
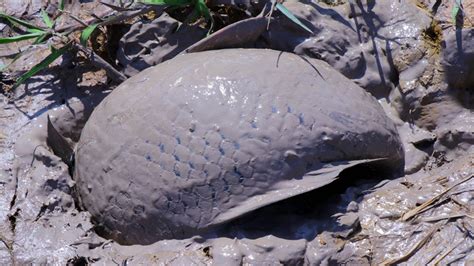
x=206, y=137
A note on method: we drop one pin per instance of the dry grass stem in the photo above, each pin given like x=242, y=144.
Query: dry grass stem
x=414, y=249
x=438, y=260
x=426, y=205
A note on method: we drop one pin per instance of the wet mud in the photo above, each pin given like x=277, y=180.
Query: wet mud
x=183, y=167
x=407, y=54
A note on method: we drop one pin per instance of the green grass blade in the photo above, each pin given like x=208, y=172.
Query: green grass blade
x=203, y=9
x=167, y=2
x=455, y=10
x=86, y=33
x=42, y=38
x=55, y=54
x=61, y=5
x=292, y=17
x=35, y=31
x=20, y=37
x=47, y=21
x=17, y=22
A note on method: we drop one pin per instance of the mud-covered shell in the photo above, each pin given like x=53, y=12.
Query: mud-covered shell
x=178, y=147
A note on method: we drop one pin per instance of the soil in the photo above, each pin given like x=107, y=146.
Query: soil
x=403, y=52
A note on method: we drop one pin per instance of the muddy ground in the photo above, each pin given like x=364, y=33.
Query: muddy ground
x=410, y=55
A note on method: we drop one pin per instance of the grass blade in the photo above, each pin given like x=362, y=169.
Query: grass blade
x=55, y=53
x=47, y=21
x=17, y=22
x=86, y=33
x=20, y=37
x=42, y=38
x=202, y=9
x=35, y=31
x=61, y=5
x=292, y=17
x=455, y=10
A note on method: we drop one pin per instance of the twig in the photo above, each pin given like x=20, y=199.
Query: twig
x=98, y=61
x=456, y=258
x=111, y=17
x=233, y=35
x=446, y=217
x=413, y=250
x=114, y=7
x=79, y=26
x=432, y=257
x=462, y=206
x=409, y=214
x=75, y=18
x=445, y=254
x=273, y=5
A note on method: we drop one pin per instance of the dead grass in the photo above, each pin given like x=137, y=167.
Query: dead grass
x=433, y=36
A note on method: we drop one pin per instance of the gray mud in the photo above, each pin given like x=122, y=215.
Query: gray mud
x=399, y=57
x=261, y=142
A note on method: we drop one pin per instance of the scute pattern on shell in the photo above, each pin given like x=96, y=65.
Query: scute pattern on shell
x=181, y=143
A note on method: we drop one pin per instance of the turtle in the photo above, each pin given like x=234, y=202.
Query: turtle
x=208, y=137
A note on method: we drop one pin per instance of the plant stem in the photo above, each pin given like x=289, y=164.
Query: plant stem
x=98, y=61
